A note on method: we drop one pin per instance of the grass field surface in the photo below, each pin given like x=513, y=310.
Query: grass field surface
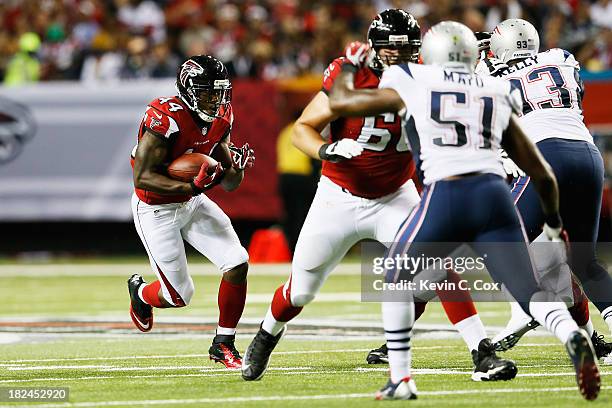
x=67, y=325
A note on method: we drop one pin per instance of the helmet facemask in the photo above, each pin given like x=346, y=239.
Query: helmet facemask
x=392, y=55
x=395, y=51
x=207, y=100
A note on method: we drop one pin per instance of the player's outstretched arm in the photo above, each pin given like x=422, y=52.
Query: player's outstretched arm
x=345, y=100
x=149, y=160
x=527, y=156
x=306, y=134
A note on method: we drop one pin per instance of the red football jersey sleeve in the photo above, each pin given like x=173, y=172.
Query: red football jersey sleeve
x=159, y=122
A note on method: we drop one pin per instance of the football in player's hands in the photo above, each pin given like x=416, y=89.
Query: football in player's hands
x=208, y=177
x=188, y=166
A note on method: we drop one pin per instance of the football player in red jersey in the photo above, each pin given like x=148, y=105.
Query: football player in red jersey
x=166, y=211
x=365, y=191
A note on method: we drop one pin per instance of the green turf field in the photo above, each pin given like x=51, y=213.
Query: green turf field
x=67, y=325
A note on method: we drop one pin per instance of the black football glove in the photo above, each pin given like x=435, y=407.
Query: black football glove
x=491, y=66
x=484, y=41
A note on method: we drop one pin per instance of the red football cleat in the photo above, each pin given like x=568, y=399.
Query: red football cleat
x=223, y=351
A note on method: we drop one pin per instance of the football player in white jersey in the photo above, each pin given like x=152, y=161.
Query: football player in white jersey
x=455, y=122
x=552, y=91
x=363, y=197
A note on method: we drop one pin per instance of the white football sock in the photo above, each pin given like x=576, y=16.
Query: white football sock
x=518, y=317
x=606, y=314
x=555, y=317
x=271, y=325
x=226, y=331
x=519, y=320
x=588, y=327
x=398, y=318
x=472, y=331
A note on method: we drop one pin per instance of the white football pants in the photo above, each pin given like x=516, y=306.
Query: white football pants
x=199, y=221
x=336, y=221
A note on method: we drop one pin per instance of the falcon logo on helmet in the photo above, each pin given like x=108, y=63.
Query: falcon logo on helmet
x=203, y=84
x=189, y=69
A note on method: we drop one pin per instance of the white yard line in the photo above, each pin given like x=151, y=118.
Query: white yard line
x=417, y=371
x=165, y=356
x=11, y=363
x=148, y=368
x=227, y=373
x=224, y=372
x=284, y=398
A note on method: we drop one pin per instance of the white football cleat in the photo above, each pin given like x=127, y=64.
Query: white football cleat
x=403, y=390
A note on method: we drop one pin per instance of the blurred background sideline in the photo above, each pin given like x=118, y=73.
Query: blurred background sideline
x=77, y=74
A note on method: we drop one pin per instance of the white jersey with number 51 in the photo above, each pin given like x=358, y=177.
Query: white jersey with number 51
x=454, y=120
x=552, y=91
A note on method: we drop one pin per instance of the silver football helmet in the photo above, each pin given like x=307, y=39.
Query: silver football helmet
x=451, y=45
x=514, y=39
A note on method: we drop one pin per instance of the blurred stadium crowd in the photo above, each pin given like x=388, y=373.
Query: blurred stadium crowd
x=108, y=40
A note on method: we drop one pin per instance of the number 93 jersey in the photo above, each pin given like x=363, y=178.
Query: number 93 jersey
x=454, y=120
x=551, y=91
x=386, y=162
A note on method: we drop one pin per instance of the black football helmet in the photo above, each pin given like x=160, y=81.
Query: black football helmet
x=394, y=29
x=203, y=84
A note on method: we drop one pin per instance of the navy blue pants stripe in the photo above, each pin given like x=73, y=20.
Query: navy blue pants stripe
x=519, y=185
x=415, y=220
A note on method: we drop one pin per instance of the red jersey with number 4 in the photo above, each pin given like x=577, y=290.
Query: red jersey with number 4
x=170, y=119
x=386, y=162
